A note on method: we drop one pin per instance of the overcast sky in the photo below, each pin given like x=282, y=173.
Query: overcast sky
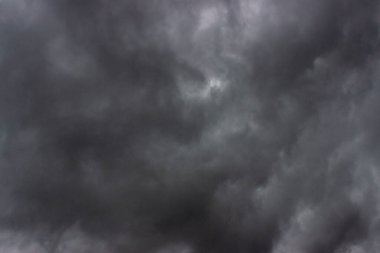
x=189, y=126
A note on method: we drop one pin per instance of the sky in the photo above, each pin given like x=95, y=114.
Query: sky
x=189, y=126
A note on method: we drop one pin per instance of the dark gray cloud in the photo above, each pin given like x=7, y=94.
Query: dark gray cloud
x=189, y=126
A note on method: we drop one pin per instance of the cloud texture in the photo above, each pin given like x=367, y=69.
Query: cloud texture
x=174, y=126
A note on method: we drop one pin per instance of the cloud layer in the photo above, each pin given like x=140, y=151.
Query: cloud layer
x=189, y=126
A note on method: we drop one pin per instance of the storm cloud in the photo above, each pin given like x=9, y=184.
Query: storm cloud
x=177, y=126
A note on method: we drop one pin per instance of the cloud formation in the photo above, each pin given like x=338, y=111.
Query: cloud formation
x=189, y=126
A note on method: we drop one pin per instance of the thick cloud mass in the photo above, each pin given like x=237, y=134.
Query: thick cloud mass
x=178, y=126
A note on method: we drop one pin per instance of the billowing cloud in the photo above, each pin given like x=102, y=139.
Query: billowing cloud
x=189, y=126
